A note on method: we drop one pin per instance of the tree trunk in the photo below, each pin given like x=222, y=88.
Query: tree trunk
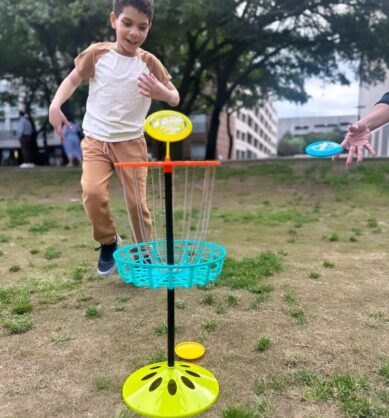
x=230, y=136
x=210, y=153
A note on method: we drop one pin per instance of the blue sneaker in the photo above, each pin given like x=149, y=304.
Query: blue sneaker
x=106, y=265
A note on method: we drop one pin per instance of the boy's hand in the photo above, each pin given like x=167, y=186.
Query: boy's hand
x=357, y=138
x=150, y=86
x=57, y=119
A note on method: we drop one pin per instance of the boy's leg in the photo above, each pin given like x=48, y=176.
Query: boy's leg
x=134, y=186
x=97, y=170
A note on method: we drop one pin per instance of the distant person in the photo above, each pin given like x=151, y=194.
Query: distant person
x=358, y=135
x=25, y=131
x=71, y=143
x=123, y=79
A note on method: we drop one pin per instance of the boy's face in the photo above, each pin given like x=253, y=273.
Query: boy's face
x=132, y=27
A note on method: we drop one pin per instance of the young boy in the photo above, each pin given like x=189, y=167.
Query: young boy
x=358, y=135
x=123, y=78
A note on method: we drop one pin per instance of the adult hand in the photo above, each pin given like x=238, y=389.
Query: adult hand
x=356, y=140
x=57, y=119
x=150, y=86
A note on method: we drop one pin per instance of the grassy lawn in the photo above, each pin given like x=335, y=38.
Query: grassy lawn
x=296, y=326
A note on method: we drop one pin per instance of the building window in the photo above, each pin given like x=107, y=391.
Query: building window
x=197, y=151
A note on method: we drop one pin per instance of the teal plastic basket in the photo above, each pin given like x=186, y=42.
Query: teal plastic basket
x=195, y=263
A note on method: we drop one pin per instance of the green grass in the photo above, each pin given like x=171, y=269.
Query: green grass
x=372, y=223
x=122, y=299
x=3, y=239
x=261, y=289
x=210, y=325
x=269, y=217
x=18, y=324
x=93, y=311
x=21, y=305
x=232, y=300
x=383, y=372
x=101, y=383
x=270, y=209
x=180, y=304
x=263, y=344
x=299, y=315
x=43, y=227
x=313, y=274
x=220, y=309
x=245, y=273
x=259, y=300
x=290, y=298
x=14, y=269
x=51, y=253
x=352, y=393
x=161, y=329
x=328, y=264
x=334, y=237
x=61, y=338
x=157, y=356
x=208, y=300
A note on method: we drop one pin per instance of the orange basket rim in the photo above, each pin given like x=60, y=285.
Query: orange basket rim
x=167, y=164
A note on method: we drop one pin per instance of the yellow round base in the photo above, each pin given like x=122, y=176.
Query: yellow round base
x=159, y=391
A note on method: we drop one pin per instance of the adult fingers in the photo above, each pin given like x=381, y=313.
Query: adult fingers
x=371, y=150
x=350, y=155
x=345, y=144
x=360, y=150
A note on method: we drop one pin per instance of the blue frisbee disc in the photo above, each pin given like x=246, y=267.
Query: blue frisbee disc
x=323, y=149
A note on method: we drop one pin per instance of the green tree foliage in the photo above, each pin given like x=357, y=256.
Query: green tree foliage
x=39, y=40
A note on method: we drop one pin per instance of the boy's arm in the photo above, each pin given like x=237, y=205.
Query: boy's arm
x=64, y=92
x=150, y=86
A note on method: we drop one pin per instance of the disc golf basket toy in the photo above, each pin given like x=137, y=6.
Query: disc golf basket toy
x=169, y=252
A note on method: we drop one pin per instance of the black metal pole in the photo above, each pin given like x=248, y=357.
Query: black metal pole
x=170, y=260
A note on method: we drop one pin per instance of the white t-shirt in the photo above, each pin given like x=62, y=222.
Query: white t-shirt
x=115, y=110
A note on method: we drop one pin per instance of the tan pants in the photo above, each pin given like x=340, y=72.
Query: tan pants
x=97, y=165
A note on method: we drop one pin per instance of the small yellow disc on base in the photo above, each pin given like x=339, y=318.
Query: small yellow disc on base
x=189, y=350
x=160, y=391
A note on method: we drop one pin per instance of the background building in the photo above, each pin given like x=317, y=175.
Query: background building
x=256, y=133
x=320, y=124
x=253, y=131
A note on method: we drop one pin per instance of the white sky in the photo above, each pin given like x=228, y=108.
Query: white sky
x=326, y=100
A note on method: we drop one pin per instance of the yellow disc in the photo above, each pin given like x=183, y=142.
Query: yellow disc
x=168, y=126
x=189, y=350
x=160, y=391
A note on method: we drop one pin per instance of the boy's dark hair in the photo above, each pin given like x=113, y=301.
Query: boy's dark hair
x=144, y=6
